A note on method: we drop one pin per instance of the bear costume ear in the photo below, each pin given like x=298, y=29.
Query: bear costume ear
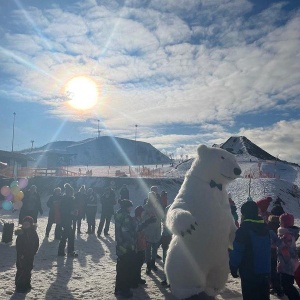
x=201, y=149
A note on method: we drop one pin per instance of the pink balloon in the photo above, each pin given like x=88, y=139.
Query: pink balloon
x=5, y=190
x=23, y=182
x=9, y=197
x=17, y=205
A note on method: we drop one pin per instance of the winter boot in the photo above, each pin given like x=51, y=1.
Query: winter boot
x=148, y=269
x=153, y=266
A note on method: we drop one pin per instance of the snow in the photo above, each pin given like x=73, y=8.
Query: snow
x=92, y=274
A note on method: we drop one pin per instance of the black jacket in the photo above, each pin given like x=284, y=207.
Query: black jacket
x=66, y=210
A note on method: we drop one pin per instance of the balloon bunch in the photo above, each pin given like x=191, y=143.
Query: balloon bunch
x=13, y=194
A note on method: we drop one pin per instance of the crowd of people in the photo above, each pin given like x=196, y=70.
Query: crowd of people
x=137, y=238
x=263, y=255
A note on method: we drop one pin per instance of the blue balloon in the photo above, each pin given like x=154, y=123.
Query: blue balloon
x=7, y=205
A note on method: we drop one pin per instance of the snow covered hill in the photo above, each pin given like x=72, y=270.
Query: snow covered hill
x=101, y=151
x=243, y=147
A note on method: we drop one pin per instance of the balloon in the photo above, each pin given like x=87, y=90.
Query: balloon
x=5, y=190
x=7, y=205
x=19, y=196
x=9, y=197
x=14, y=183
x=17, y=205
x=15, y=190
x=23, y=182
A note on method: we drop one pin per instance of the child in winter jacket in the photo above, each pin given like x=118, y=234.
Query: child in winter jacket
x=273, y=225
x=141, y=244
x=152, y=208
x=27, y=245
x=287, y=254
x=251, y=254
x=126, y=229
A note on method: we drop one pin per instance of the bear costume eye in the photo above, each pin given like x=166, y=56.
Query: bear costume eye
x=222, y=157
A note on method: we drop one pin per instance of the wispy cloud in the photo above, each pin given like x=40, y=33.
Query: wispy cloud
x=157, y=63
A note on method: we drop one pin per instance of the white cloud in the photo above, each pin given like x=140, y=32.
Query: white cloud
x=281, y=139
x=191, y=62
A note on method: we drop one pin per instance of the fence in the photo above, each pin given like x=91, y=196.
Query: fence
x=99, y=171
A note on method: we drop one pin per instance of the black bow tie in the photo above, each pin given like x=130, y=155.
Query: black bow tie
x=214, y=184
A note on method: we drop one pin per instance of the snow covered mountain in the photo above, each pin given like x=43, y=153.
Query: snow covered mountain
x=241, y=146
x=101, y=151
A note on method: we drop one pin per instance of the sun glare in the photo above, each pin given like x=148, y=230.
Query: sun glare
x=82, y=92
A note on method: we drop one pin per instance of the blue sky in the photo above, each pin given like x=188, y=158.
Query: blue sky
x=187, y=72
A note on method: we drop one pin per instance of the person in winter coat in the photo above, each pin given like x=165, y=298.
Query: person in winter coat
x=164, y=199
x=251, y=254
x=54, y=203
x=108, y=201
x=141, y=243
x=91, y=210
x=127, y=242
x=287, y=254
x=124, y=192
x=166, y=238
x=233, y=211
x=152, y=208
x=125, y=234
x=31, y=205
x=273, y=225
x=66, y=211
x=27, y=245
x=80, y=207
x=263, y=205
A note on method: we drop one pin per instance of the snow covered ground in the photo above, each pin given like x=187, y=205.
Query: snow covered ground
x=92, y=274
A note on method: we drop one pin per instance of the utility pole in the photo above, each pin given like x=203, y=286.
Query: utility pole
x=32, y=141
x=13, y=136
x=136, y=126
x=98, y=129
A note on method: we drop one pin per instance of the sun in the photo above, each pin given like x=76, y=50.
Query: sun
x=82, y=92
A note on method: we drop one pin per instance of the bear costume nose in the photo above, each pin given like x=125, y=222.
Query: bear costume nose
x=237, y=171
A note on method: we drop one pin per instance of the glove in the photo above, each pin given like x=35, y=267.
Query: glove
x=234, y=273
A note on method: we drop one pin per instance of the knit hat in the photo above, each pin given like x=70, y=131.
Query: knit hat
x=249, y=210
x=286, y=220
x=29, y=220
x=138, y=211
x=264, y=203
x=125, y=203
x=277, y=210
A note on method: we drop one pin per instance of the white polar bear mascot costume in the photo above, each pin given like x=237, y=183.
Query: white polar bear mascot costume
x=202, y=225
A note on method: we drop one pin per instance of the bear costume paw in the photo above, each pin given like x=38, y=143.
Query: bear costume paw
x=181, y=222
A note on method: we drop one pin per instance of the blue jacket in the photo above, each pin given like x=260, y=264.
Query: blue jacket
x=251, y=253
